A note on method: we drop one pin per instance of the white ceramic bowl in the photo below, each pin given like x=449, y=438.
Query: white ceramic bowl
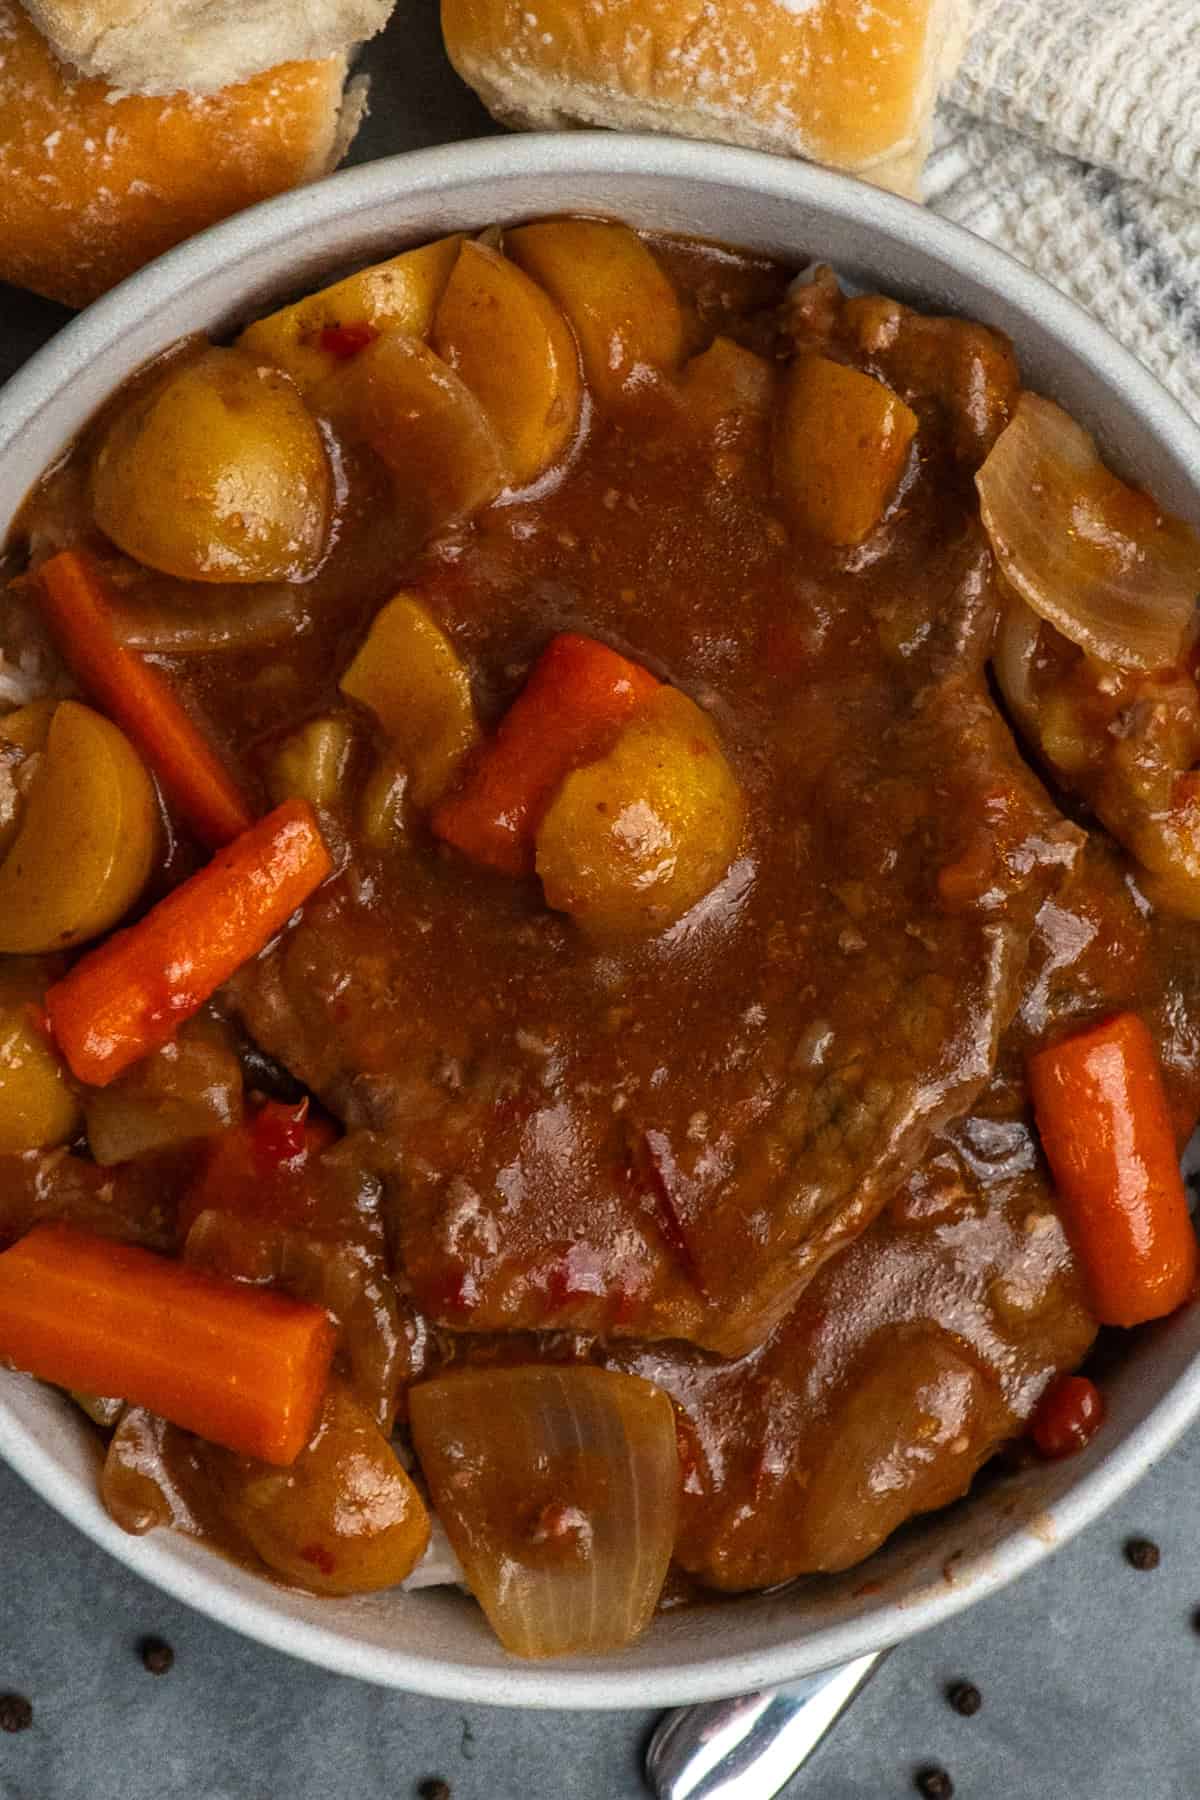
x=436, y=1641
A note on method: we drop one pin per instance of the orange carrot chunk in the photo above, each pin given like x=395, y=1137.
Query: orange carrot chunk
x=76, y=606
x=238, y=1365
x=1106, y=1130
x=131, y=993
x=577, y=697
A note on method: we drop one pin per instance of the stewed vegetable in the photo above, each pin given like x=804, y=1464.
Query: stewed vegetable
x=1093, y=556
x=132, y=993
x=559, y=1490
x=410, y=677
x=310, y=339
x=344, y=1518
x=622, y=306
x=841, y=443
x=75, y=602
x=632, y=841
x=446, y=457
x=242, y=1367
x=189, y=1090
x=576, y=700
x=1104, y=1124
x=218, y=473
x=39, y=1108
x=508, y=341
x=88, y=836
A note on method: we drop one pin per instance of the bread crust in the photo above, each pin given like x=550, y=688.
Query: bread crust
x=201, y=46
x=93, y=184
x=850, y=83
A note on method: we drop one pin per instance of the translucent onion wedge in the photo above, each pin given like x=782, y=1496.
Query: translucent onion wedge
x=222, y=619
x=1098, y=559
x=137, y=1484
x=1016, y=645
x=185, y=1091
x=559, y=1491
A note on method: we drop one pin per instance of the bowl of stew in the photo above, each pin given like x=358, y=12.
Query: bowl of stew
x=599, y=921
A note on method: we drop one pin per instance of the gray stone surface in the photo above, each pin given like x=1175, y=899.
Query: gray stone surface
x=1089, y=1670
x=1089, y=1673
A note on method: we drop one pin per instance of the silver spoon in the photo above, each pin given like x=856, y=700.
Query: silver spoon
x=750, y=1747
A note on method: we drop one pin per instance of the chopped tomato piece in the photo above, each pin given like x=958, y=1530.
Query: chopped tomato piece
x=1068, y=1416
x=263, y=1169
x=345, y=341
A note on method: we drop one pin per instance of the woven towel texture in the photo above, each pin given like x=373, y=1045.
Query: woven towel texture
x=1071, y=137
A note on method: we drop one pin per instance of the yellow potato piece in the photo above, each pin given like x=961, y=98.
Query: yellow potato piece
x=311, y=764
x=87, y=840
x=513, y=348
x=409, y=675
x=382, y=820
x=37, y=1106
x=841, y=442
x=620, y=301
x=398, y=295
x=632, y=842
x=343, y=1519
x=725, y=384
x=28, y=727
x=22, y=735
x=217, y=473
x=423, y=421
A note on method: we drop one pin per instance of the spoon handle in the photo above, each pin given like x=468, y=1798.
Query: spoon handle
x=750, y=1747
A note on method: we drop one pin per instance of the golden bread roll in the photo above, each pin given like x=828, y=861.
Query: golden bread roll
x=199, y=45
x=93, y=184
x=850, y=83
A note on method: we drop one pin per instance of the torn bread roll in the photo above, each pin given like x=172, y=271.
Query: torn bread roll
x=850, y=83
x=93, y=184
x=200, y=45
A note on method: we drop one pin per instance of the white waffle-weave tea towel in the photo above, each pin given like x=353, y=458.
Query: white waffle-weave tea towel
x=1071, y=138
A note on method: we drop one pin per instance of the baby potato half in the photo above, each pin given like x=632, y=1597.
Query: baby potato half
x=217, y=473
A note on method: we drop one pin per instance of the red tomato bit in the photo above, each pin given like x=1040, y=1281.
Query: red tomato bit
x=345, y=341
x=1068, y=1416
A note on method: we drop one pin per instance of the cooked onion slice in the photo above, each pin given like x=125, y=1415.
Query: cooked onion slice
x=137, y=1484
x=226, y=620
x=559, y=1490
x=1098, y=559
x=1016, y=646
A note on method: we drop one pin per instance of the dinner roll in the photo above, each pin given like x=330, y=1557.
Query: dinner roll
x=850, y=83
x=94, y=183
x=200, y=45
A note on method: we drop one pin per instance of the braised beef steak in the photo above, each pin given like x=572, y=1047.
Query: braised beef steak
x=668, y=1139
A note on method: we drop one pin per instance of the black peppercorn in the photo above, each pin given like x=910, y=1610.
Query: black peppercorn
x=434, y=1789
x=157, y=1656
x=1140, y=1553
x=934, y=1784
x=965, y=1698
x=16, y=1714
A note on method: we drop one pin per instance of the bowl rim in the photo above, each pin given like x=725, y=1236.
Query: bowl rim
x=941, y=244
